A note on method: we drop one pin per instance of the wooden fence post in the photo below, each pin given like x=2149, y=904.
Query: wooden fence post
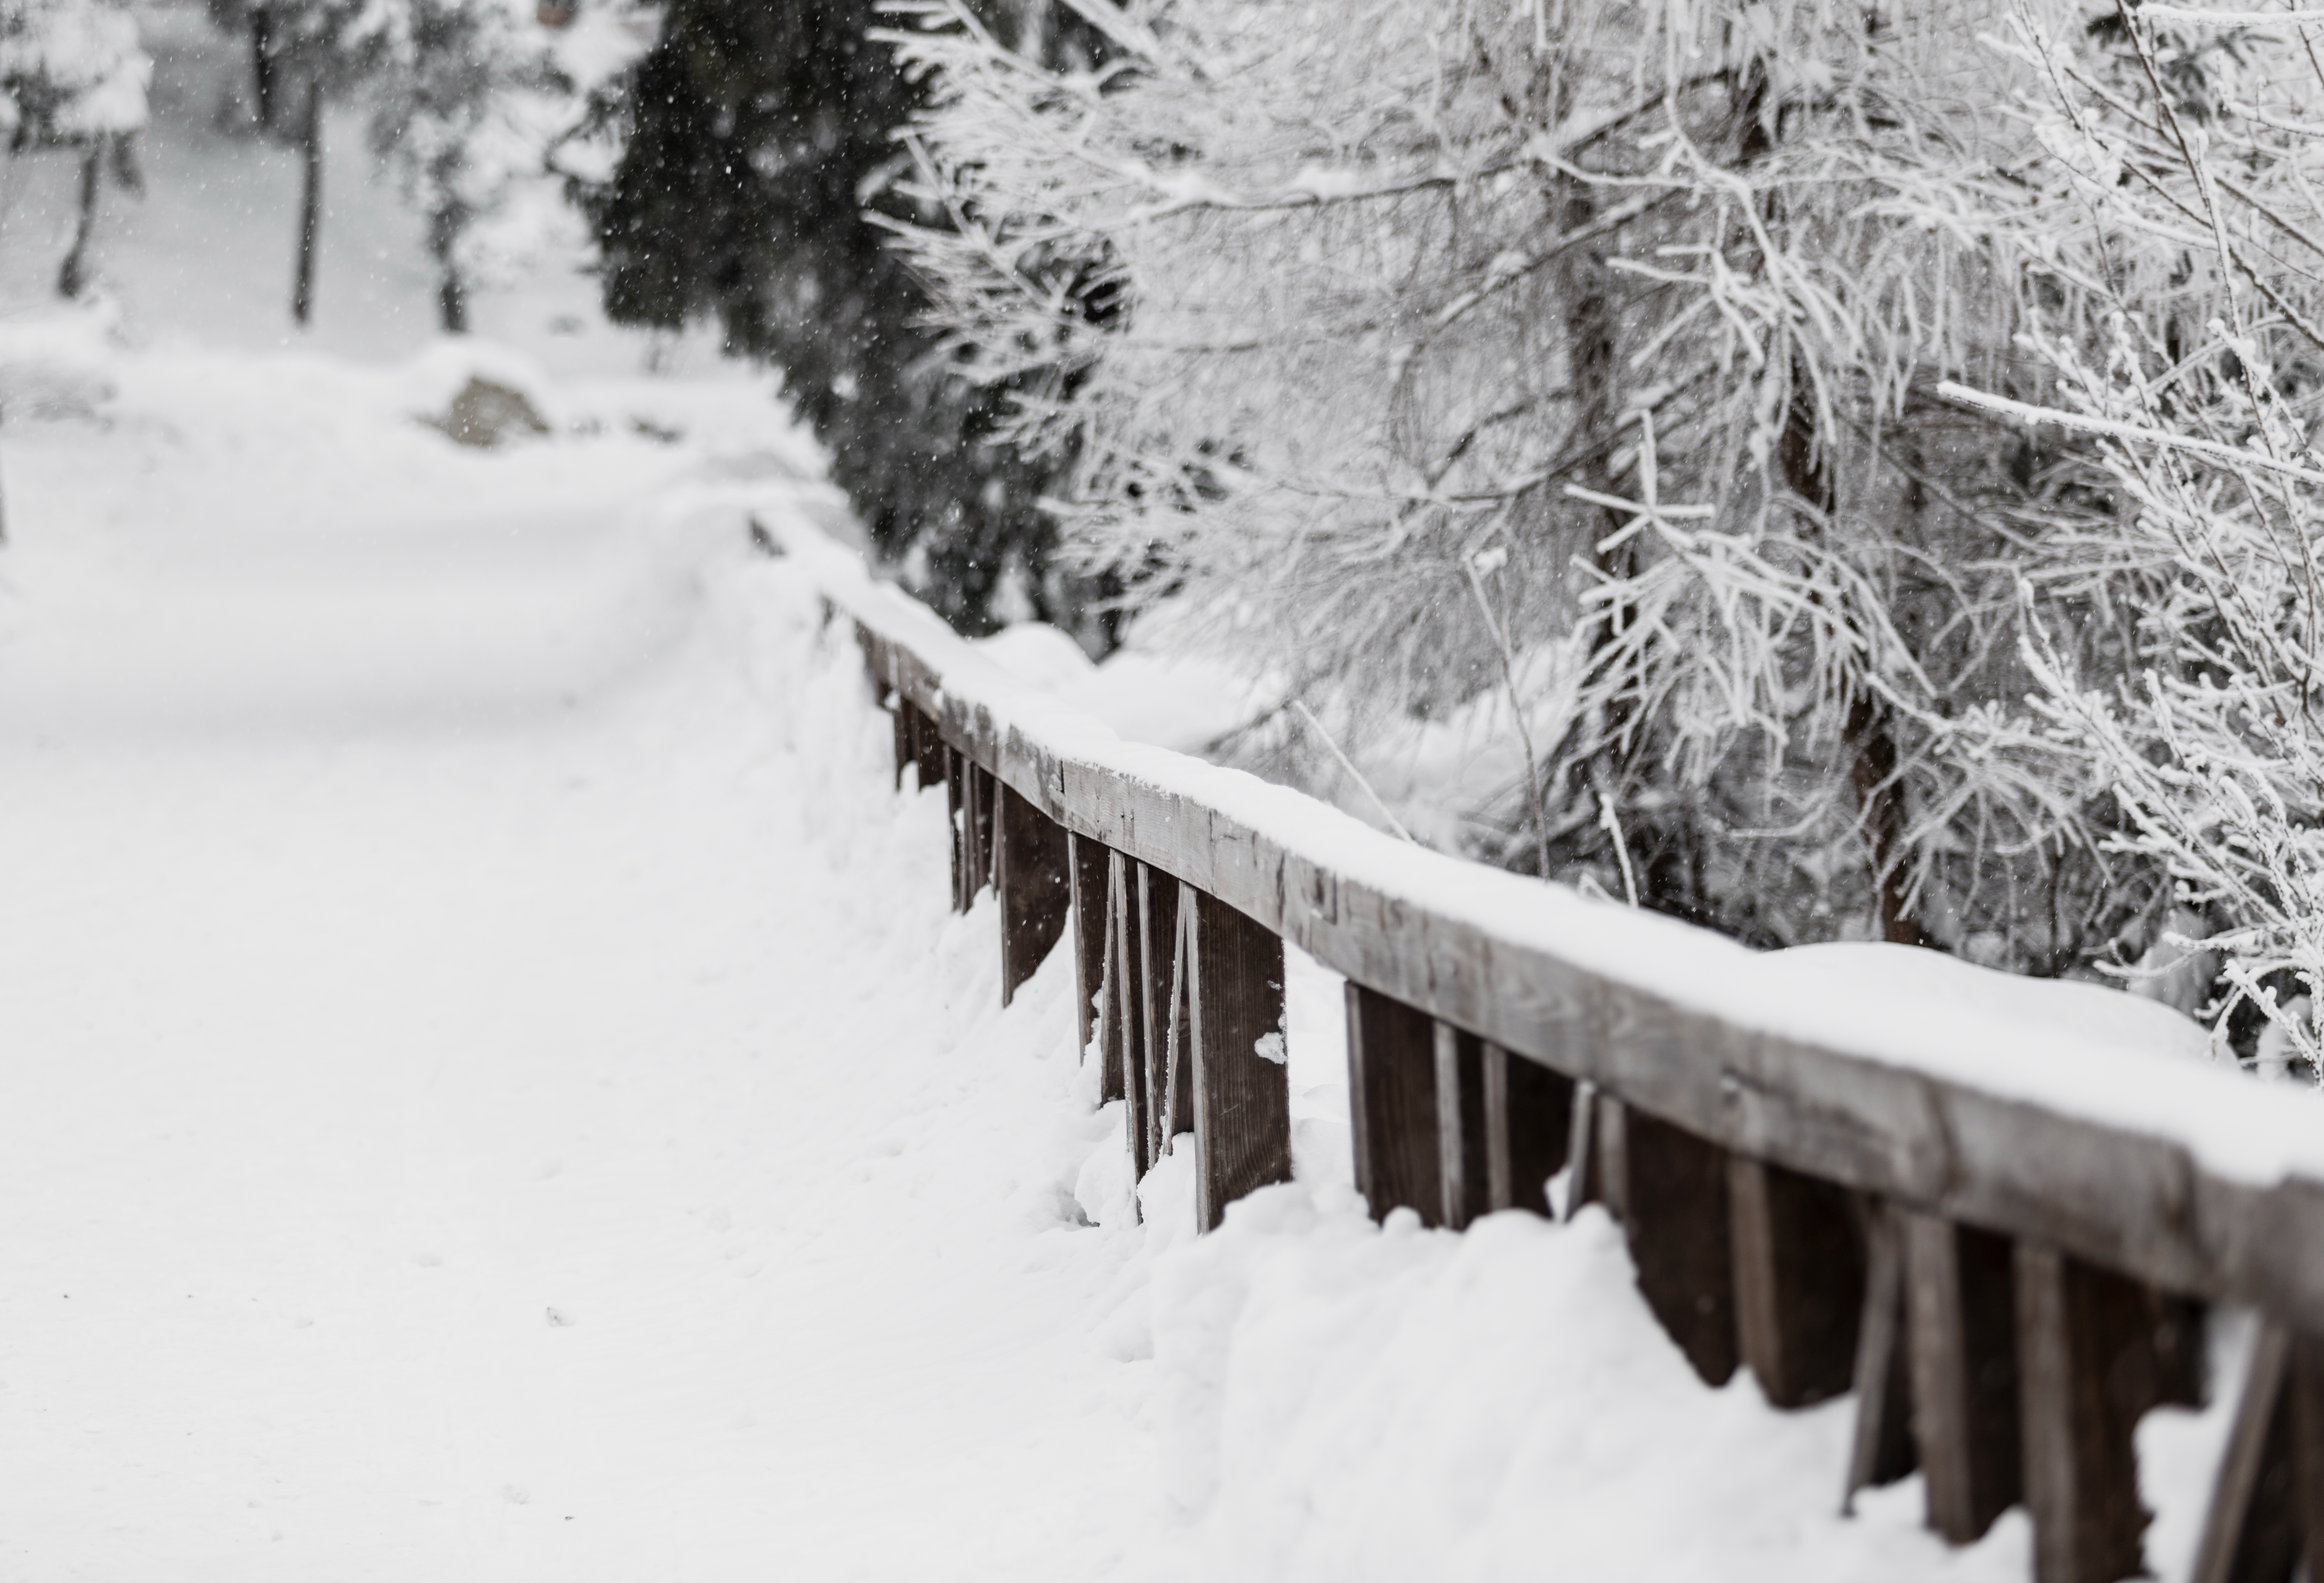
x=1585, y=1150
x=1463, y=1172
x=2305, y=1384
x=1392, y=1105
x=1243, y=1088
x=1033, y=884
x=1122, y=1044
x=1528, y=1126
x=1798, y=1249
x=1599, y=1153
x=955, y=816
x=983, y=792
x=2081, y=1346
x=900, y=719
x=2179, y=1327
x=971, y=854
x=1086, y=865
x=1882, y=1451
x=929, y=749
x=1670, y=1189
x=1165, y=1039
x=2252, y=1530
x=1961, y=1324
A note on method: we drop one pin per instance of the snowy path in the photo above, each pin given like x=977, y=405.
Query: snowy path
x=493, y=1091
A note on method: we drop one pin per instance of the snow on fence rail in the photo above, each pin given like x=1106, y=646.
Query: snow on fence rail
x=1998, y=1225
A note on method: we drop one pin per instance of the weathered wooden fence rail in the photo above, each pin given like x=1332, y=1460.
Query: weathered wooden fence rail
x=2006, y=1279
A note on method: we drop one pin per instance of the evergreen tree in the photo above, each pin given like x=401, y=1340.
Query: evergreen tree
x=760, y=154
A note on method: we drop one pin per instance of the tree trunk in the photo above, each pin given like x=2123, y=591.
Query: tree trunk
x=444, y=228
x=1872, y=760
x=73, y=278
x=452, y=303
x=261, y=66
x=310, y=206
x=1867, y=739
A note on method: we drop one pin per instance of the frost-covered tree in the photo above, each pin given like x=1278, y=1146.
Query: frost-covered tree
x=73, y=75
x=1571, y=367
x=2179, y=255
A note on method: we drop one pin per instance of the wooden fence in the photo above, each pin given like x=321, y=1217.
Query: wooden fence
x=2005, y=1285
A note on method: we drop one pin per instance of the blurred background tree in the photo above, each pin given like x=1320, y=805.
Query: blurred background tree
x=74, y=76
x=303, y=54
x=761, y=153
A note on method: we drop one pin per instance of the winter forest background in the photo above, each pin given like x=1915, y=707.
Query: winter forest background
x=1821, y=471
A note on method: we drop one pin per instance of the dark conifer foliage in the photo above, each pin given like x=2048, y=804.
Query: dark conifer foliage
x=758, y=133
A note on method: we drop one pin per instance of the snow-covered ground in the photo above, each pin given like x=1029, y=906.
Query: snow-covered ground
x=493, y=1090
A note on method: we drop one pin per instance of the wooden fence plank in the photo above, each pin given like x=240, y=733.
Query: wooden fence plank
x=972, y=826
x=1175, y=1029
x=1123, y=1052
x=1035, y=885
x=982, y=789
x=1585, y=1152
x=972, y=787
x=1161, y=998
x=1609, y=1143
x=1086, y=865
x=1961, y=1323
x=956, y=815
x=900, y=718
x=1242, y=1089
x=2083, y=1336
x=1528, y=1128
x=2305, y=1385
x=1882, y=1451
x=2179, y=1325
x=1392, y=1105
x=1798, y=1248
x=928, y=750
x=1673, y=1198
x=2251, y=1534
x=1461, y=1170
